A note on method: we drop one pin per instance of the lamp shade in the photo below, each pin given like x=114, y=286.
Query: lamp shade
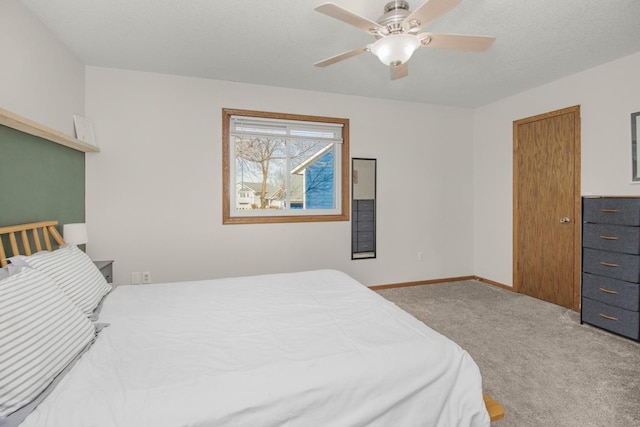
x=396, y=48
x=75, y=234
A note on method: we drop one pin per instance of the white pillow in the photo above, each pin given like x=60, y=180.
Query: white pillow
x=9, y=270
x=41, y=331
x=75, y=273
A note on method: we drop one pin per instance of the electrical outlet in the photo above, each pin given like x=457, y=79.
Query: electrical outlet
x=146, y=277
x=136, y=278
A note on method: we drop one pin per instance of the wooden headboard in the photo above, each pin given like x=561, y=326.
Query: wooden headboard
x=36, y=232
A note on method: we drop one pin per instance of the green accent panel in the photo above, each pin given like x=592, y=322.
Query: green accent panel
x=39, y=180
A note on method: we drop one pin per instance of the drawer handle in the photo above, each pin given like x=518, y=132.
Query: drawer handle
x=604, y=316
x=609, y=264
x=609, y=237
x=610, y=210
x=608, y=291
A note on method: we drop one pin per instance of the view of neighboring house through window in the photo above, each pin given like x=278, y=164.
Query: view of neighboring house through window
x=284, y=167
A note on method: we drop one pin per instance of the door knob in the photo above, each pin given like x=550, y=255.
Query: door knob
x=564, y=220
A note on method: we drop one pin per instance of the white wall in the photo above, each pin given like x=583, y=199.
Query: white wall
x=39, y=77
x=607, y=95
x=154, y=191
x=153, y=194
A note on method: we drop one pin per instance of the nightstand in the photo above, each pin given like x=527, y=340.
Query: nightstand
x=106, y=268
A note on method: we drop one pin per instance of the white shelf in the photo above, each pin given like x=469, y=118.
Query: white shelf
x=25, y=125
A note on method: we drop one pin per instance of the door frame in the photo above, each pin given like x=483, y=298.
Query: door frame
x=577, y=210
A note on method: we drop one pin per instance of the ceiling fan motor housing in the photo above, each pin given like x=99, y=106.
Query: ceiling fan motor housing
x=394, y=13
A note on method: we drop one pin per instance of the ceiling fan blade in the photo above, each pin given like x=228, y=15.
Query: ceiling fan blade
x=429, y=11
x=399, y=71
x=344, y=15
x=341, y=57
x=456, y=42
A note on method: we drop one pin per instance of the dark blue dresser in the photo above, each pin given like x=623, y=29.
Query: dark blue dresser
x=611, y=264
x=364, y=228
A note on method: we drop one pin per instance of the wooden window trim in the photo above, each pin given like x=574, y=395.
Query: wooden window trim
x=266, y=219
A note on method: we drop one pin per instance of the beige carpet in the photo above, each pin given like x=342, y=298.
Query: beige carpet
x=536, y=359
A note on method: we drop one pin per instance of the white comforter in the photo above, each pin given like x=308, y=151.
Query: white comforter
x=304, y=349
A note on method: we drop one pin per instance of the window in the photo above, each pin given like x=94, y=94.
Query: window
x=284, y=167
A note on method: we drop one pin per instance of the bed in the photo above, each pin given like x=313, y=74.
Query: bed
x=297, y=349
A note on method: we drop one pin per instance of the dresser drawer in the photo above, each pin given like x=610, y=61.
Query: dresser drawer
x=611, y=210
x=364, y=205
x=611, y=291
x=366, y=246
x=365, y=225
x=365, y=215
x=365, y=236
x=612, y=238
x=611, y=264
x=615, y=319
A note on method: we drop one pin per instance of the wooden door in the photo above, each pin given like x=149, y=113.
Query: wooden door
x=547, y=212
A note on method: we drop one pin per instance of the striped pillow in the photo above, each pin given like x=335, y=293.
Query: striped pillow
x=75, y=273
x=41, y=331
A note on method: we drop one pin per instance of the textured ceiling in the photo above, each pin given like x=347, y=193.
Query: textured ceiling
x=275, y=42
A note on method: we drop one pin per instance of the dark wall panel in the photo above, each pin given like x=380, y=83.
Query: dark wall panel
x=39, y=180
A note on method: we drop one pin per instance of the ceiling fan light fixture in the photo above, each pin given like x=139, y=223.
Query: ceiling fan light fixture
x=396, y=48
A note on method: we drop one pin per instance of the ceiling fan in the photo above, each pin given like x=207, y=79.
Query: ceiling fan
x=397, y=33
